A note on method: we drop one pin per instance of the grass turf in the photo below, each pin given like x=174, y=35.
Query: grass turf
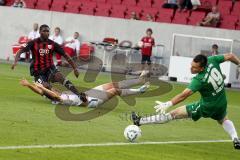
x=28, y=119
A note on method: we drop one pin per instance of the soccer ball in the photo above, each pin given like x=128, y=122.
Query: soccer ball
x=132, y=133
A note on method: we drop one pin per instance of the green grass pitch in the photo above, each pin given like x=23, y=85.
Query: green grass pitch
x=28, y=119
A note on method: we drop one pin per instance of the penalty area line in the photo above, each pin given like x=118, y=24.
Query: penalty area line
x=106, y=144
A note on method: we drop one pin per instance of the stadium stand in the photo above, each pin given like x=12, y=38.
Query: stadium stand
x=123, y=9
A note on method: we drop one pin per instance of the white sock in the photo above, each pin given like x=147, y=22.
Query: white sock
x=230, y=129
x=159, y=118
x=128, y=83
x=126, y=92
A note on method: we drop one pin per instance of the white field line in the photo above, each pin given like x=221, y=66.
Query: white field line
x=106, y=144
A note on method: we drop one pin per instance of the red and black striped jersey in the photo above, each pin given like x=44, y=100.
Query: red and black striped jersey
x=42, y=53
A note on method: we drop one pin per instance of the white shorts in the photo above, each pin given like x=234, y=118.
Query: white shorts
x=95, y=97
x=70, y=99
x=98, y=93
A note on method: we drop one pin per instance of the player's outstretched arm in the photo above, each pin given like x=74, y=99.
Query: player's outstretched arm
x=232, y=58
x=33, y=87
x=182, y=96
x=59, y=50
x=48, y=92
x=162, y=107
x=74, y=66
x=19, y=52
x=26, y=48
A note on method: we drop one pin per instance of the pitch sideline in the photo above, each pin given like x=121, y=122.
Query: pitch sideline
x=106, y=144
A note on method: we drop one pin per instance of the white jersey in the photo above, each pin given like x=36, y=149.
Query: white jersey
x=33, y=35
x=58, y=39
x=75, y=45
x=70, y=99
x=74, y=100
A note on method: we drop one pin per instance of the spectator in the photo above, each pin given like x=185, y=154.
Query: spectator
x=170, y=4
x=184, y=5
x=2, y=2
x=134, y=16
x=56, y=37
x=34, y=33
x=19, y=4
x=150, y=17
x=72, y=45
x=195, y=4
x=147, y=43
x=212, y=19
x=214, y=50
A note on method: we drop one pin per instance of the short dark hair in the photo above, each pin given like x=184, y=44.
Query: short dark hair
x=58, y=29
x=43, y=26
x=149, y=30
x=202, y=59
x=215, y=46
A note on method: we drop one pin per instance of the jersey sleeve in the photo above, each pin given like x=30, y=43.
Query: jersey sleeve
x=28, y=46
x=216, y=59
x=195, y=85
x=58, y=49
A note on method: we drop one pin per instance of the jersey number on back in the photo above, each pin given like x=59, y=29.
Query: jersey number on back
x=215, y=78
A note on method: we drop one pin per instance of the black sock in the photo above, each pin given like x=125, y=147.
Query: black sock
x=70, y=87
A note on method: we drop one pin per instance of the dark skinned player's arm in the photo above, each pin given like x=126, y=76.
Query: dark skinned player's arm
x=28, y=47
x=70, y=61
x=60, y=50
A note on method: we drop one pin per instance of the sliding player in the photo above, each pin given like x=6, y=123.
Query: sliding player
x=42, y=66
x=213, y=103
x=95, y=96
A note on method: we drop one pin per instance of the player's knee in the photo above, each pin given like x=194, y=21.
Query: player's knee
x=58, y=77
x=46, y=85
x=117, y=91
x=179, y=113
x=222, y=120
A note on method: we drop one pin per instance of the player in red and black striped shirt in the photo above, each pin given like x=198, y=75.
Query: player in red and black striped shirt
x=42, y=66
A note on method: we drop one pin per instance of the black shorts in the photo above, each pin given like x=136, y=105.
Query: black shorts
x=146, y=59
x=44, y=76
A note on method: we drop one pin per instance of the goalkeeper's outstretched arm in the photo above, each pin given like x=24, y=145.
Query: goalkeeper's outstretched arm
x=182, y=96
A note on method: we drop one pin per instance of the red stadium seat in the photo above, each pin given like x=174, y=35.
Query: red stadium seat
x=136, y=9
x=196, y=17
x=118, y=11
x=73, y=7
x=99, y=1
x=58, y=5
x=88, y=8
x=181, y=17
x=151, y=11
x=129, y=2
x=43, y=4
x=229, y=21
x=144, y=3
x=9, y=2
x=225, y=7
x=103, y=10
x=85, y=52
x=158, y=3
x=114, y=1
x=77, y=1
x=165, y=15
x=236, y=8
x=30, y=3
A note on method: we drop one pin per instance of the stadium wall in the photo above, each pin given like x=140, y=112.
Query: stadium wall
x=18, y=22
